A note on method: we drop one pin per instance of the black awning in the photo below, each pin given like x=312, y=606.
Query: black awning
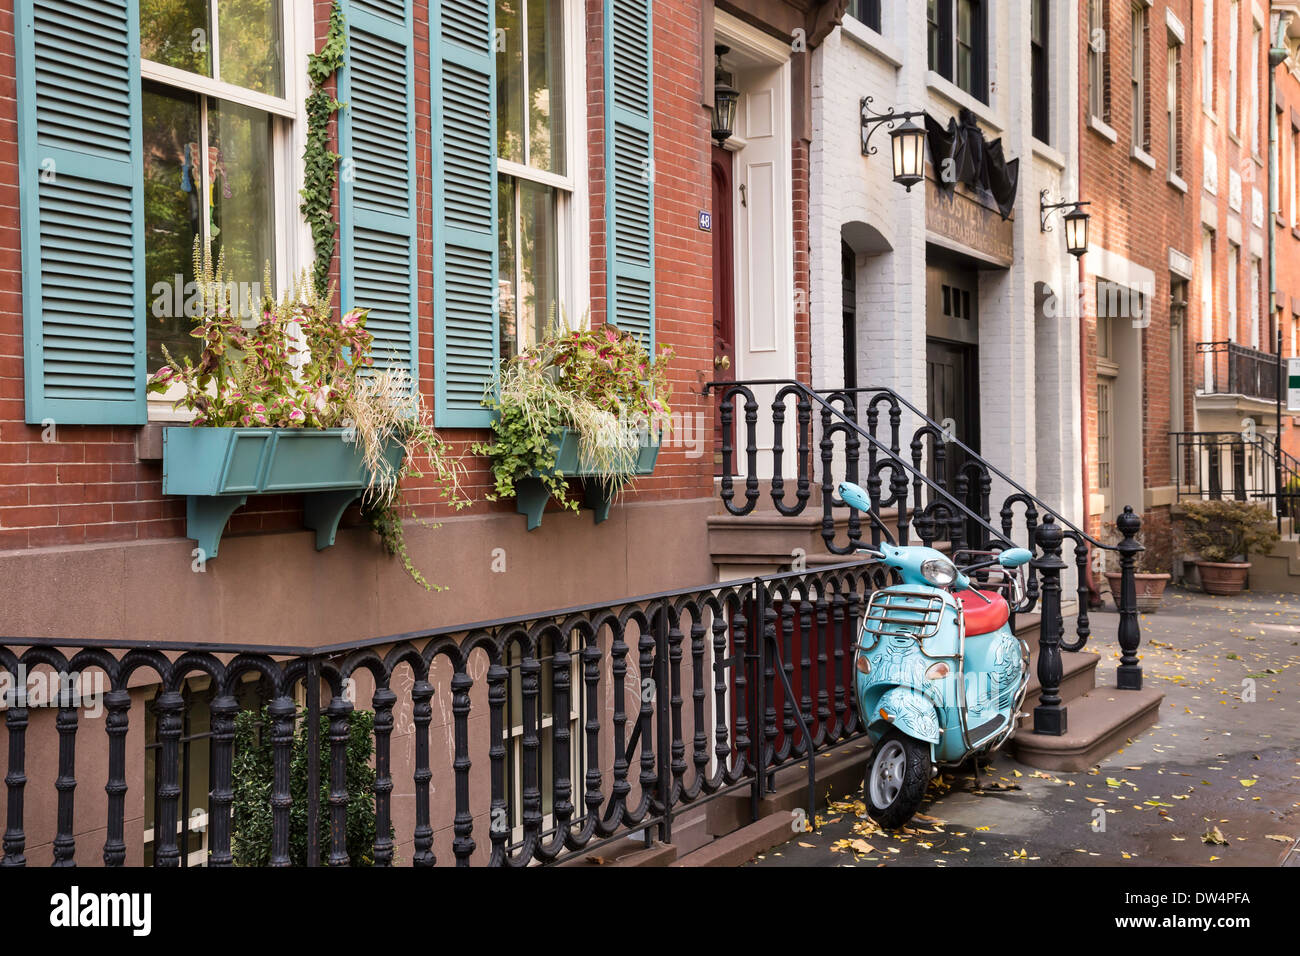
x=960, y=153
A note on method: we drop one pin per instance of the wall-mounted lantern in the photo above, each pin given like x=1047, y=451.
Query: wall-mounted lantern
x=908, y=142
x=1076, y=222
x=725, y=97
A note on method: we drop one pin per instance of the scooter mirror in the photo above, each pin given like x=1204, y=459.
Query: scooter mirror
x=1015, y=557
x=853, y=496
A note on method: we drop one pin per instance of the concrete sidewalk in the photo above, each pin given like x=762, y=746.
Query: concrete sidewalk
x=1217, y=759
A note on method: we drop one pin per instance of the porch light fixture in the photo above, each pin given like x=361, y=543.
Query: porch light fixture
x=725, y=97
x=908, y=147
x=1076, y=222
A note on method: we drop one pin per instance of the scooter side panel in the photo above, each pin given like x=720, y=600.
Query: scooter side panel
x=909, y=711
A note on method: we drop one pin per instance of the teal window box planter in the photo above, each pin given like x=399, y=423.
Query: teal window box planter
x=218, y=468
x=531, y=495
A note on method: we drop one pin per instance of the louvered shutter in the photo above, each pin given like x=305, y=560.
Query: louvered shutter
x=462, y=68
x=629, y=165
x=377, y=182
x=81, y=200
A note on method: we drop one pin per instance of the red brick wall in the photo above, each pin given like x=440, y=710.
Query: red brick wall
x=1136, y=214
x=88, y=485
x=1288, y=249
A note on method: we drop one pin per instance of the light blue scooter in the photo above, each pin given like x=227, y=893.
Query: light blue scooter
x=940, y=674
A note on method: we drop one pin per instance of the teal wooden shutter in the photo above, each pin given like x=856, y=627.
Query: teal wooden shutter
x=629, y=168
x=81, y=192
x=377, y=218
x=462, y=84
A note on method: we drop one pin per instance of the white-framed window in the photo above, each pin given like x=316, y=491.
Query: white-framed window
x=194, y=770
x=1233, y=277
x=222, y=129
x=1295, y=176
x=1252, y=134
x=1207, y=55
x=541, y=165
x=1173, y=112
x=1097, y=42
x=1137, y=74
x=546, y=723
x=1234, y=58
x=1256, y=283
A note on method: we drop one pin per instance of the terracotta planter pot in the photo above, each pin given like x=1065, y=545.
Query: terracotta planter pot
x=1150, y=589
x=1223, y=579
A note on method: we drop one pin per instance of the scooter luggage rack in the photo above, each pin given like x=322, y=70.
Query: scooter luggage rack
x=916, y=613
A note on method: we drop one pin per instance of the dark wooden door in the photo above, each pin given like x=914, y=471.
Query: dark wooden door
x=724, y=280
x=953, y=399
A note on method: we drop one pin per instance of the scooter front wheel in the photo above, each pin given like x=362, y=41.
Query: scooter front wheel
x=896, y=779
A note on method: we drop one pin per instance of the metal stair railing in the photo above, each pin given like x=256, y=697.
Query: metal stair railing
x=959, y=513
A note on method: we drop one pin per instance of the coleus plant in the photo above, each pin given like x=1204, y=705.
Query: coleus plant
x=601, y=383
x=297, y=366
x=291, y=369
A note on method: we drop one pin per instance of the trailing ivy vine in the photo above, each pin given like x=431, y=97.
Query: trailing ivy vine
x=321, y=171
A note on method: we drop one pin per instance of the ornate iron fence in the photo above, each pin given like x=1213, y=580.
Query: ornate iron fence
x=853, y=444
x=1237, y=466
x=1227, y=368
x=722, y=685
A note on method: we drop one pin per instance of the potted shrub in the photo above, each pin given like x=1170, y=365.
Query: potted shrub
x=589, y=404
x=1223, y=535
x=292, y=404
x=1153, y=569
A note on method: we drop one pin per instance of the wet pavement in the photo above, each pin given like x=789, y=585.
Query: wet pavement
x=1223, y=763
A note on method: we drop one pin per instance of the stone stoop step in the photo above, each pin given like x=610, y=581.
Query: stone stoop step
x=1098, y=724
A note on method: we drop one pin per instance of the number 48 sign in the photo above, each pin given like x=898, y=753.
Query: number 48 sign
x=1293, y=385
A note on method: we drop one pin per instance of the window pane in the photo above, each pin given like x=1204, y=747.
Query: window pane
x=173, y=204
x=965, y=43
x=507, y=267
x=250, y=40
x=241, y=193
x=546, y=85
x=510, y=80
x=932, y=34
x=538, y=298
x=176, y=32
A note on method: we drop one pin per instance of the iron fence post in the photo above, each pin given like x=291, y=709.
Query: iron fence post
x=1129, y=675
x=1050, y=714
x=313, y=761
x=757, y=653
x=663, y=716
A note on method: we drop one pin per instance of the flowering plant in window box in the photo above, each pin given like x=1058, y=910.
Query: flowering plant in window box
x=584, y=403
x=291, y=402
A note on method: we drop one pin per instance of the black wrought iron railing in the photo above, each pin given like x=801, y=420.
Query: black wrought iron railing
x=1237, y=466
x=1226, y=368
x=533, y=756
x=854, y=445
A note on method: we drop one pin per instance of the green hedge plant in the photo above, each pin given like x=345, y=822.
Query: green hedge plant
x=253, y=776
x=1227, y=532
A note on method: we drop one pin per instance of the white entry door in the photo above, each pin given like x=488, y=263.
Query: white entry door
x=765, y=300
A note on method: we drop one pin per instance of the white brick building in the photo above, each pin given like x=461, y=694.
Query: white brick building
x=1010, y=326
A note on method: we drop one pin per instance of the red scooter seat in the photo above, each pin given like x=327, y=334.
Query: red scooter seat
x=982, y=618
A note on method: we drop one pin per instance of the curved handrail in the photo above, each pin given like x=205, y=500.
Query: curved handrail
x=731, y=389
x=1060, y=518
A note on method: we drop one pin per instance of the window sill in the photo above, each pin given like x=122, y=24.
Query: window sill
x=1047, y=153
x=1295, y=232
x=1178, y=183
x=1140, y=155
x=1102, y=129
x=872, y=41
x=954, y=94
x=1235, y=138
x=1210, y=114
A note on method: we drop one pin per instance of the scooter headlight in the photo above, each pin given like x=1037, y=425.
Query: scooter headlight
x=939, y=571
